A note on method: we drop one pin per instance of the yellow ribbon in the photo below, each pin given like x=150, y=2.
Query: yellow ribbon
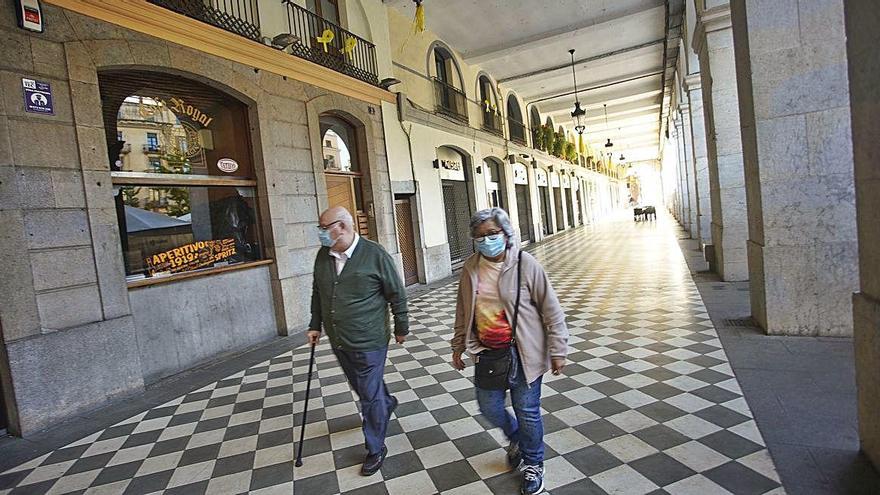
x=350, y=44
x=326, y=38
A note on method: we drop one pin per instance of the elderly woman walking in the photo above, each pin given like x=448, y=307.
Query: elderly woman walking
x=509, y=320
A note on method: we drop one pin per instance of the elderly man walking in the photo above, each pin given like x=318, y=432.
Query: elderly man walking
x=355, y=282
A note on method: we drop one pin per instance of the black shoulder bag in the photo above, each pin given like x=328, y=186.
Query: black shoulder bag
x=493, y=365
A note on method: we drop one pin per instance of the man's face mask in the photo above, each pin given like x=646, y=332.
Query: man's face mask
x=324, y=235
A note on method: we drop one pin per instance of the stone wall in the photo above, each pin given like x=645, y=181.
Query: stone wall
x=862, y=21
x=68, y=327
x=794, y=107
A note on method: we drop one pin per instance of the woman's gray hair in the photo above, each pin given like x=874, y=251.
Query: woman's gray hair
x=498, y=216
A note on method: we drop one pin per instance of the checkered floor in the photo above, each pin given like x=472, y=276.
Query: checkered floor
x=647, y=404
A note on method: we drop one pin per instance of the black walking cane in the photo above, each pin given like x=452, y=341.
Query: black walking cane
x=302, y=433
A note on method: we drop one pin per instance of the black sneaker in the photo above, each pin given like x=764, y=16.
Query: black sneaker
x=514, y=456
x=533, y=479
x=373, y=462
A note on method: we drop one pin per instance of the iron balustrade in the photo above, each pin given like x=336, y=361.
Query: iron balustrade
x=517, y=131
x=326, y=43
x=241, y=17
x=492, y=122
x=450, y=100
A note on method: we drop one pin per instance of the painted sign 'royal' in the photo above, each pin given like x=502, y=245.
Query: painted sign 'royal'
x=179, y=107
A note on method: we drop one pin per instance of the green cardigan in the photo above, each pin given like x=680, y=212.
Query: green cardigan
x=353, y=307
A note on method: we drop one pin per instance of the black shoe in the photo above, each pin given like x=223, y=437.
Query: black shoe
x=394, y=403
x=373, y=462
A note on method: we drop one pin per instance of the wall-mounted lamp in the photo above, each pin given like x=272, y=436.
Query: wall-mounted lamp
x=534, y=163
x=479, y=169
x=550, y=169
x=388, y=82
x=284, y=40
x=436, y=163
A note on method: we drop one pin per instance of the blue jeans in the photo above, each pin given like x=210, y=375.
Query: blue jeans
x=526, y=428
x=365, y=372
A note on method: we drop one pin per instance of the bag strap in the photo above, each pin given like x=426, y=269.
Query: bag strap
x=516, y=307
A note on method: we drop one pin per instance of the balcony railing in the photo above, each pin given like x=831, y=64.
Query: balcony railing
x=492, y=122
x=517, y=131
x=450, y=101
x=151, y=148
x=325, y=43
x=236, y=16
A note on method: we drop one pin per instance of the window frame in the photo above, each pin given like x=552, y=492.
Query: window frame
x=126, y=178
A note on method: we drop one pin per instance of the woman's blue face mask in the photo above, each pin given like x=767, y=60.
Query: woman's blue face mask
x=491, y=245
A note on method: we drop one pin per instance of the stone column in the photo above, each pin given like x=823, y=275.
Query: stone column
x=679, y=173
x=700, y=160
x=687, y=201
x=794, y=103
x=713, y=42
x=686, y=139
x=863, y=36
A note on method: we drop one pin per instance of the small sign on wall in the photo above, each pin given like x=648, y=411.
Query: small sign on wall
x=37, y=97
x=227, y=165
x=541, y=177
x=520, y=174
x=554, y=180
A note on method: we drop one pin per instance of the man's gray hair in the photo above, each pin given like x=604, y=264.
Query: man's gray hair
x=498, y=216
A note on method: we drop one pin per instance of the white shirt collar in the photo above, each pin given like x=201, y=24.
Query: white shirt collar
x=348, y=252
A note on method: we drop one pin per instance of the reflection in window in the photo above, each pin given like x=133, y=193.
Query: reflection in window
x=176, y=229
x=177, y=131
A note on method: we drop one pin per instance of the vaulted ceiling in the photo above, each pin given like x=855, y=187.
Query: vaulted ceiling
x=619, y=58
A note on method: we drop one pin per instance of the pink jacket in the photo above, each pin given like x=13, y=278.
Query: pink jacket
x=541, y=331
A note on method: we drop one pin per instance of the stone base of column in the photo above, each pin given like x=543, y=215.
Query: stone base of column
x=866, y=316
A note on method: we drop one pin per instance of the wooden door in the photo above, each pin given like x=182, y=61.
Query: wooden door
x=340, y=192
x=407, y=241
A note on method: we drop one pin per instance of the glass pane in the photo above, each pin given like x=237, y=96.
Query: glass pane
x=329, y=11
x=336, y=153
x=188, y=127
x=169, y=230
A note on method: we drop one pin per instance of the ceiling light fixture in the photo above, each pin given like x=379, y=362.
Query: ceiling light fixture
x=608, y=144
x=578, y=113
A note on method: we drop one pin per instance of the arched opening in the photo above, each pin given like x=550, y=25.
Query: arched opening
x=346, y=176
x=184, y=181
x=556, y=185
x=457, y=201
x=535, y=125
x=523, y=205
x=515, y=120
x=569, y=186
x=448, y=89
x=495, y=183
x=489, y=104
x=542, y=180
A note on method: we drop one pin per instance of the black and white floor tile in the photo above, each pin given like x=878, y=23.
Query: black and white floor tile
x=647, y=404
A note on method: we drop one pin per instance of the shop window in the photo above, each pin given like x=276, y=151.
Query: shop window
x=186, y=201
